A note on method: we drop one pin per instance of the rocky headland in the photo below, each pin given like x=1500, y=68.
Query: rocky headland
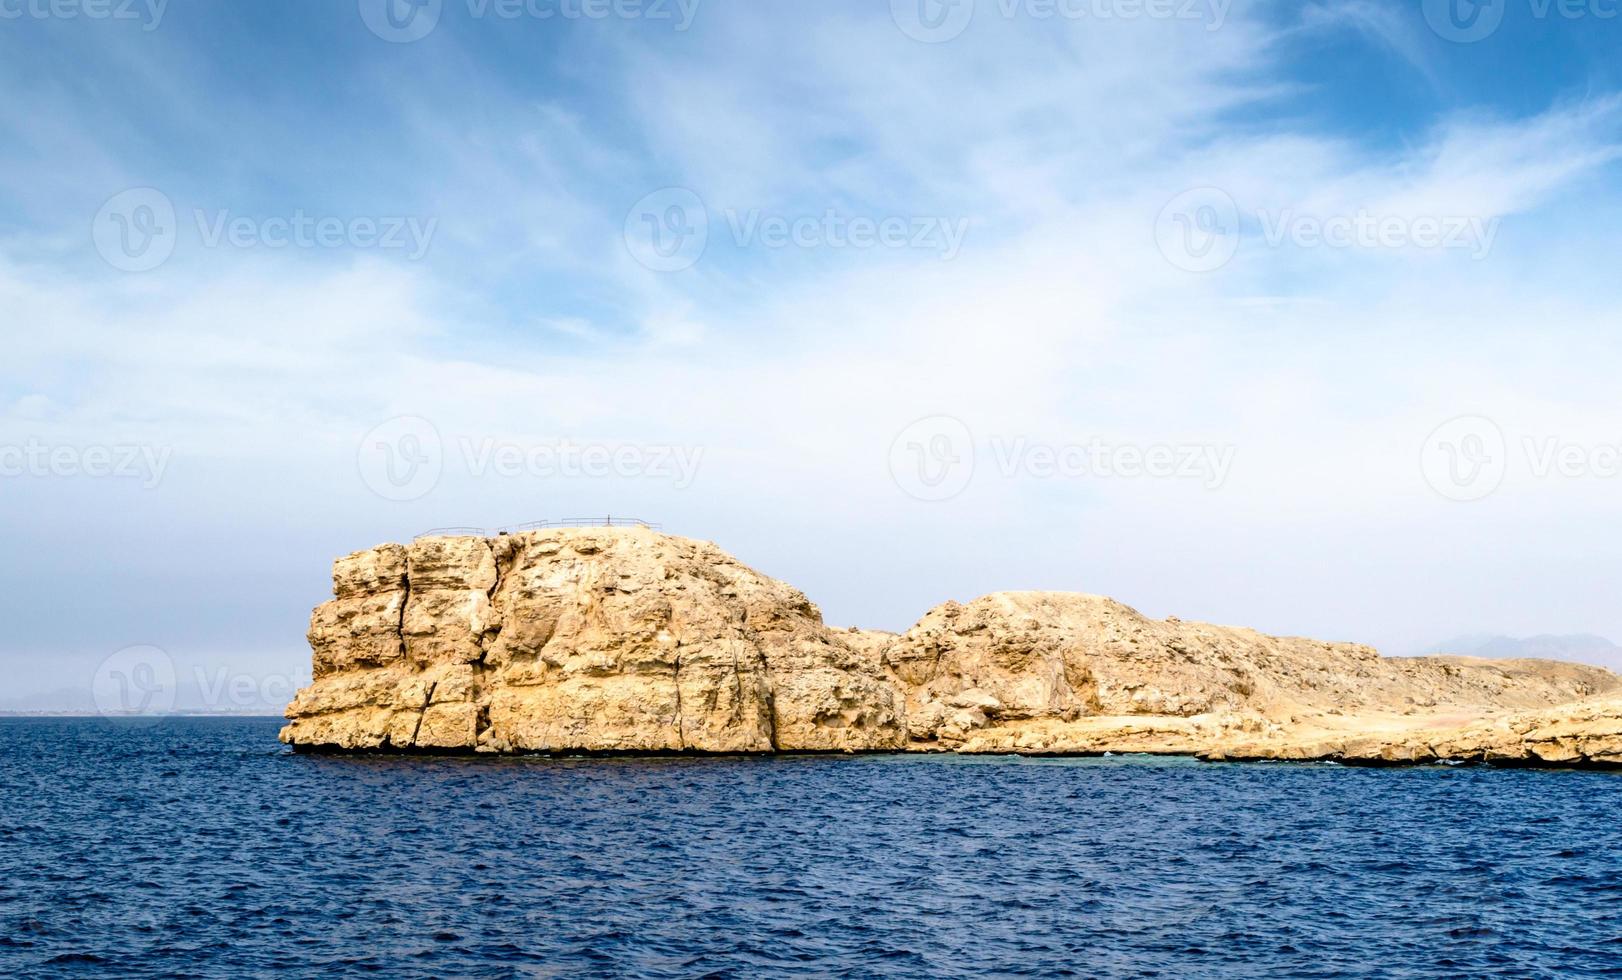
x=627, y=640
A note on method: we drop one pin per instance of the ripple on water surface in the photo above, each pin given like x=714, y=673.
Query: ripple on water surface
x=201, y=847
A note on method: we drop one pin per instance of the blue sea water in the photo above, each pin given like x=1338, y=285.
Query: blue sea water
x=202, y=848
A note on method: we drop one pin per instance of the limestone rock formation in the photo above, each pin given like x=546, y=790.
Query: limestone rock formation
x=1582, y=733
x=1586, y=733
x=1062, y=672
x=591, y=639
x=623, y=639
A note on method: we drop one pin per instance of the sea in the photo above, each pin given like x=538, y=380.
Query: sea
x=203, y=848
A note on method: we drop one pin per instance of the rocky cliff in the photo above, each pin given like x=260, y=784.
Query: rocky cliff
x=597, y=639
x=613, y=639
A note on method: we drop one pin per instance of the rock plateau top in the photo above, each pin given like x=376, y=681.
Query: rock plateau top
x=628, y=640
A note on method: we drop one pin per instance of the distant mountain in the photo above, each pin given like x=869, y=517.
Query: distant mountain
x=1582, y=648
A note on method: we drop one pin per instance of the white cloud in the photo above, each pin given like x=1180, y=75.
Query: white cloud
x=794, y=370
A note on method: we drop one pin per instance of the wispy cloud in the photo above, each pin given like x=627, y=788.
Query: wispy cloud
x=795, y=367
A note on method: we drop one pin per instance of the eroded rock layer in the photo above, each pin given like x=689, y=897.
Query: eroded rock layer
x=611, y=639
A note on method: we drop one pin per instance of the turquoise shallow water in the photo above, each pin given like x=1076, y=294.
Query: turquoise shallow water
x=202, y=848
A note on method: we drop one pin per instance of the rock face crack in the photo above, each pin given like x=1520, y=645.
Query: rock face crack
x=771, y=721
x=405, y=601
x=737, y=685
x=486, y=637
x=771, y=702
x=502, y=563
x=429, y=700
x=681, y=730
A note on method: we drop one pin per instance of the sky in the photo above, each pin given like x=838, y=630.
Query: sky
x=1294, y=315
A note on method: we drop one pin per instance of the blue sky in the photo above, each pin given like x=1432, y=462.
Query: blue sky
x=1015, y=239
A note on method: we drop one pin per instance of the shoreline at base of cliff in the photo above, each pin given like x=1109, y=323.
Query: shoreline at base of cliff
x=1213, y=757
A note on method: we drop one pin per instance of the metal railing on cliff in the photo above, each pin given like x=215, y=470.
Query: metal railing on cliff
x=607, y=520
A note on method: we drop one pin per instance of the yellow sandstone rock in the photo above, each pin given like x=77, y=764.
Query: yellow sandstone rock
x=624, y=639
x=581, y=639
